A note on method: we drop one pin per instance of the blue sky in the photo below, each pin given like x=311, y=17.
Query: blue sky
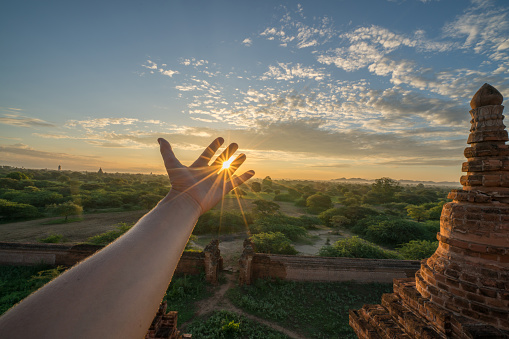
x=309, y=89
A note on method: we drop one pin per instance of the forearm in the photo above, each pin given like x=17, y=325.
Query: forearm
x=115, y=293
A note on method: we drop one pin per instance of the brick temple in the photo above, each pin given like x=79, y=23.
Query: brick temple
x=462, y=290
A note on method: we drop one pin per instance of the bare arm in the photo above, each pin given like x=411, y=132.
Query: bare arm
x=115, y=293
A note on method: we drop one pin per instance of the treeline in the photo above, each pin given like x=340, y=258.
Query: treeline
x=390, y=220
x=26, y=193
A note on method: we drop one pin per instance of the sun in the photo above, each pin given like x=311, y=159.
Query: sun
x=227, y=164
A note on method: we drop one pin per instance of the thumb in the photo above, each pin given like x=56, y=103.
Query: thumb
x=169, y=158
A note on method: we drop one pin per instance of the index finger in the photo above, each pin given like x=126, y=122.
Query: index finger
x=208, y=153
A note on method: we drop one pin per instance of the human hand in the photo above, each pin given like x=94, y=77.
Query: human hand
x=206, y=184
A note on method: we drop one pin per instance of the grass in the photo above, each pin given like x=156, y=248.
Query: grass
x=62, y=221
x=17, y=282
x=320, y=310
x=224, y=324
x=183, y=292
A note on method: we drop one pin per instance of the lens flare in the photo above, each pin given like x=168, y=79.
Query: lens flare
x=227, y=164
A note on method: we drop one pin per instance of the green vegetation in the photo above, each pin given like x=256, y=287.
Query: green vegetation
x=52, y=239
x=108, y=237
x=66, y=209
x=215, y=222
x=27, y=194
x=183, y=292
x=17, y=282
x=317, y=203
x=272, y=242
x=355, y=247
x=418, y=249
x=224, y=324
x=320, y=310
x=385, y=213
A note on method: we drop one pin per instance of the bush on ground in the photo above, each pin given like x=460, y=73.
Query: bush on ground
x=52, y=239
x=390, y=231
x=272, y=242
x=265, y=207
x=317, y=203
x=356, y=247
x=215, y=222
x=292, y=228
x=225, y=324
x=110, y=236
x=354, y=214
x=14, y=210
x=418, y=249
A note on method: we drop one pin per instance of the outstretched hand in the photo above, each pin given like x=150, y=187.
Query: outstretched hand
x=206, y=184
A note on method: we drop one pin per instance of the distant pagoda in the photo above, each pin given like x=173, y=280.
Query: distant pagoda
x=462, y=290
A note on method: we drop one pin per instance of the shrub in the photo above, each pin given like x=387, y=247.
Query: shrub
x=353, y=213
x=14, y=210
x=213, y=222
x=225, y=324
x=317, y=203
x=52, y=239
x=110, y=236
x=355, y=247
x=272, y=242
x=291, y=227
x=266, y=207
x=418, y=249
x=391, y=231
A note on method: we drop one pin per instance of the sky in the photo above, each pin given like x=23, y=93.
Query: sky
x=308, y=89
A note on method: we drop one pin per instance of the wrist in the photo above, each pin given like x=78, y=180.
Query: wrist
x=183, y=199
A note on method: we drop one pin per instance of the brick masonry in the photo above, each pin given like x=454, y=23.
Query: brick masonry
x=462, y=290
x=307, y=268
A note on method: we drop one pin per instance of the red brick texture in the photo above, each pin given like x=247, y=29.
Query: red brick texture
x=462, y=290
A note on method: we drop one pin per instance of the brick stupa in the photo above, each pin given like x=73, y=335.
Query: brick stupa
x=462, y=290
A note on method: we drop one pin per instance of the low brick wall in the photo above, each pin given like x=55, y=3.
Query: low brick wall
x=308, y=268
x=69, y=255
x=53, y=254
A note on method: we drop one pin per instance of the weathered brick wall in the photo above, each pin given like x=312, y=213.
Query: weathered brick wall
x=307, y=268
x=462, y=290
x=69, y=255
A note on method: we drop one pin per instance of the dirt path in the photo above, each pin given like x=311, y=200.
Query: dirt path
x=219, y=301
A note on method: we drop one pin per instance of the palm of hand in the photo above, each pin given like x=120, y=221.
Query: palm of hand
x=206, y=184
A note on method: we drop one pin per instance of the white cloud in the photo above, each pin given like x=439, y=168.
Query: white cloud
x=287, y=71
x=247, y=42
x=101, y=122
x=483, y=27
x=168, y=72
x=150, y=65
x=22, y=121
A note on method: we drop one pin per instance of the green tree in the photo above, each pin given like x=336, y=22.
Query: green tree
x=19, y=176
x=266, y=207
x=256, y=187
x=272, y=242
x=418, y=249
x=392, y=231
x=66, y=209
x=14, y=210
x=267, y=182
x=417, y=213
x=148, y=201
x=318, y=203
x=355, y=247
x=383, y=190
